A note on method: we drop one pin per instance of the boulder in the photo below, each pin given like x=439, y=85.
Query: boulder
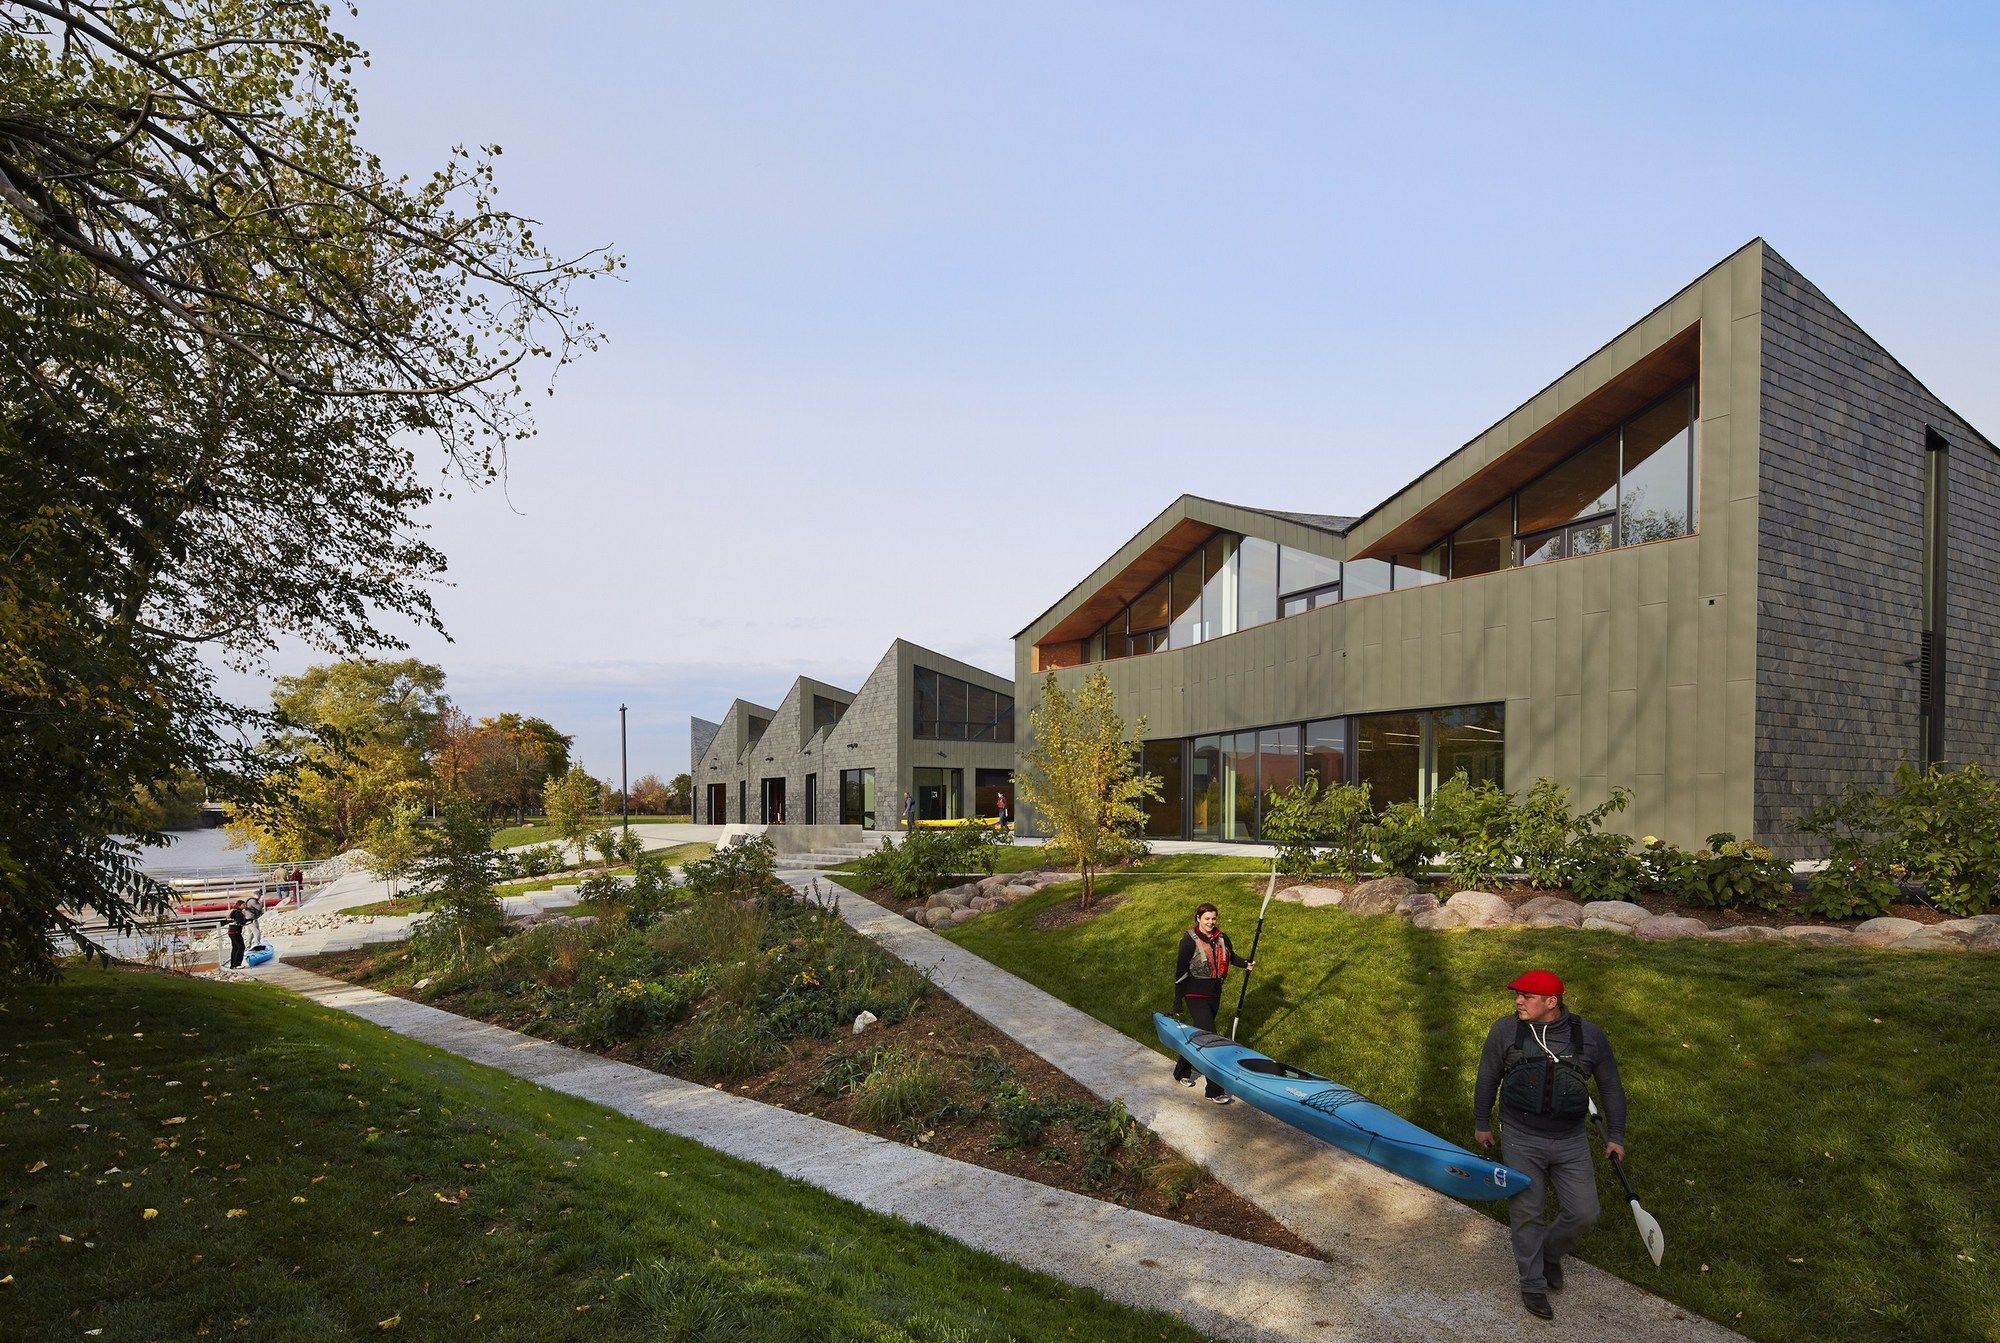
x=962, y=916
x=1929, y=939
x=915, y=913
x=1881, y=932
x=1962, y=930
x=1744, y=932
x=1668, y=928
x=936, y=916
x=1378, y=896
x=958, y=897
x=988, y=885
x=1415, y=903
x=980, y=904
x=1596, y=925
x=1617, y=911
x=1548, y=920
x=939, y=901
x=1986, y=939
x=1818, y=935
x=1482, y=909
x=1320, y=897
x=1437, y=919
x=1541, y=910
x=1017, y=890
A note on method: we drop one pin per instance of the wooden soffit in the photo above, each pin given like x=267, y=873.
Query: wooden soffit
x=1154, y=563
x=1626, y=393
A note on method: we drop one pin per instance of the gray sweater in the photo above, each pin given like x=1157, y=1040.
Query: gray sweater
x=1598, y=1061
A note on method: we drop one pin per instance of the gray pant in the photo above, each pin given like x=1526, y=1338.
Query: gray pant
x=1565, y=1163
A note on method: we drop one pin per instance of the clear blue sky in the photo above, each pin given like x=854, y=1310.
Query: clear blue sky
x=930, y=307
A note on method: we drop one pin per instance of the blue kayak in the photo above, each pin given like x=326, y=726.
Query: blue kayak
x=1332, y=1113
x=258, y=954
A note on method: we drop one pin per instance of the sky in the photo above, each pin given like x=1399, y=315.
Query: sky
x=929, y=308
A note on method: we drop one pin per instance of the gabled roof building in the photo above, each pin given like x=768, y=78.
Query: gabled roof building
x=922, y=725
x=1733, y=560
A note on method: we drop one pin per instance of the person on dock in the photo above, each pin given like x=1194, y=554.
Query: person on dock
x=1000, y=815
x=253, y=911
x=237, y=918
x=1539, y=1061
x=1199, y=968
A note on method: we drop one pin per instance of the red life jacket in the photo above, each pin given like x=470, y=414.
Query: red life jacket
x=1211, y=955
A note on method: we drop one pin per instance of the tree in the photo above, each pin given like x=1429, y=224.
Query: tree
x=220, y=320
x=650, y=797
x=1081, y=774
x=395, y=843
x=353, y=749
x=511, y=758
x=680, y=796
x=570, y=801
x=454, y=878
x=170, y=804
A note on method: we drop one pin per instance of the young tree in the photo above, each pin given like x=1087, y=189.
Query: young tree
x=680, y=796
x=221, y=320
x=454, y=876
x=395, y=843
x=1081, y=774
x=570, y=801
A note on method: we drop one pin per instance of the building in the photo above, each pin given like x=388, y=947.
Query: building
x=1733, y=560
x=922, y=724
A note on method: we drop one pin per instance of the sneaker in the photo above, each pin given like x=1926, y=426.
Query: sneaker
x=1538, y=1305
x=1552, y=1273
x=1187, y=1081
x=1220, y=1100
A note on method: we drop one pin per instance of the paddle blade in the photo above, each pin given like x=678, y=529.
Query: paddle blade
x=1649, y=1232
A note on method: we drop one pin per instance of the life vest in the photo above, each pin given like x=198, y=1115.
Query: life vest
x=1211, y=955
x=1539, y=1084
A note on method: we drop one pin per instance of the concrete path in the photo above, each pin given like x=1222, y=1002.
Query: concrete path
x=1222, y=1286
x=1401, y=1252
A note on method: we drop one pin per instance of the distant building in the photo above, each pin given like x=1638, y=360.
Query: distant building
x=925, y=724
x=1733, y=560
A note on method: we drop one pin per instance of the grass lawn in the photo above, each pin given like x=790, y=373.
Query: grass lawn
x=673, y=854
x=313, y=1176
x=1814, y=1127
x=538, y=832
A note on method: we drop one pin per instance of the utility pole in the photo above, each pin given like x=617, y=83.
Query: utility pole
x=624, y=784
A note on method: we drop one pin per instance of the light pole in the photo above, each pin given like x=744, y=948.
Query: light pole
x=624, y=784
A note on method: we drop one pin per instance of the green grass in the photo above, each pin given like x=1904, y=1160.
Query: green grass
x=1814, y=1127
x=379, y=1179
x=538, y=832
x=674, y=854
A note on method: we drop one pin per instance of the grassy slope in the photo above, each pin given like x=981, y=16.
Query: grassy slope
x=336, y=1139
x=1813, y=1127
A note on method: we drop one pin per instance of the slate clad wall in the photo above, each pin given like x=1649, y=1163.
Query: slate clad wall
x=1840, y=566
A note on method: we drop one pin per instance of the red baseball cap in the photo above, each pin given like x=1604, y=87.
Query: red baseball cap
x=1545, y=982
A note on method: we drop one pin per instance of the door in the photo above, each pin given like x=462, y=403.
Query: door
x=812, y=799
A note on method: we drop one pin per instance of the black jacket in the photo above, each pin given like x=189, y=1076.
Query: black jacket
x=1185, y=983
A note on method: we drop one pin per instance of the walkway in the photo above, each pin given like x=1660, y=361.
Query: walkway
x=1240, y=1291
x=1401, y=1252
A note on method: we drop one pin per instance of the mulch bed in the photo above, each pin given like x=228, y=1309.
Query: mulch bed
x=952, y=1036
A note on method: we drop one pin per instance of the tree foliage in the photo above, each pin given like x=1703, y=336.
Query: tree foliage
x=570, y=800
x=1081, y=774
x=221, y=318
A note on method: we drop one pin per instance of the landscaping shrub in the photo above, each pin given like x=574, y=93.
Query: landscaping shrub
x=1473, y=827
x=454, y=941
x=1403, y=841
x=1600, y=865
x=1022, y=1117
x=1729, y=873
x=1173, y=1179
x=634, y=1008
x=1319, y=830
x=539, y=860
x=653, y=893
x=901, y=1088
x=742, y=870
x=922, y=864
x=601, y=888
x=1550, y=843
x=721, y=1045
x=506, y=865
x=1946, y=827
x=630, y=848
x=606, y=844
x=1108, y=1133
x=1860, y=878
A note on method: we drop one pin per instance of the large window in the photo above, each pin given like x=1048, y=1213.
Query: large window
x=826, y=712
x=939, y=793
x=948, y=709
x=1389, y=756
x=1326, y=751
x=988, y=787
x=857, y=797
x=1230, y=583
x=1167, y=760
x=1470, y=739
x=1205, y=788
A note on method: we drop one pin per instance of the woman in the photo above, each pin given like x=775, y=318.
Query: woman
x=237, y=918
x=1199, y=969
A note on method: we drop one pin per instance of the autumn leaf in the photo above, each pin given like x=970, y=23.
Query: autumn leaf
x=389, y=1323
x=149, y=1214
x=39, y=1165
x=237, y=1212
x=177, y=1119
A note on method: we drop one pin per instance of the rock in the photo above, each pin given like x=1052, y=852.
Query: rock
x=939, y=901
x=1415, y=903
x=423, y=983
x=988, y=885
x=1542, y=910
x=1320, y=897
x=1818, y=935
x=863, y=1020
x=1017, y=891
x=1378, y=896
x=1986, y=939
x=1668, y=928
x=1546, y=920
x=936, y=916
x=1616, y=911
x=1929, y=939
x=915, y=913
x=1881, y=932
x=1962, y=930
x=958, y=897
x=1481, y=909
x=980, y=904
x=1289, y=896
x=1596, y=925
x=1744, y=932
x=1437, y=919
x=962, y=915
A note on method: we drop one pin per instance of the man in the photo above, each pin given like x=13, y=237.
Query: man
x=1540, y=1060
x=909, y=812
x=253, y=910
x=1199, y=969
x=237, y=918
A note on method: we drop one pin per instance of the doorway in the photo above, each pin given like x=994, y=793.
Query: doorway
x=771, y=796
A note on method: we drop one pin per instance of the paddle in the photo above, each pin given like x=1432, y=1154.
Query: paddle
x=1270, y=889
x=1649, y=1226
